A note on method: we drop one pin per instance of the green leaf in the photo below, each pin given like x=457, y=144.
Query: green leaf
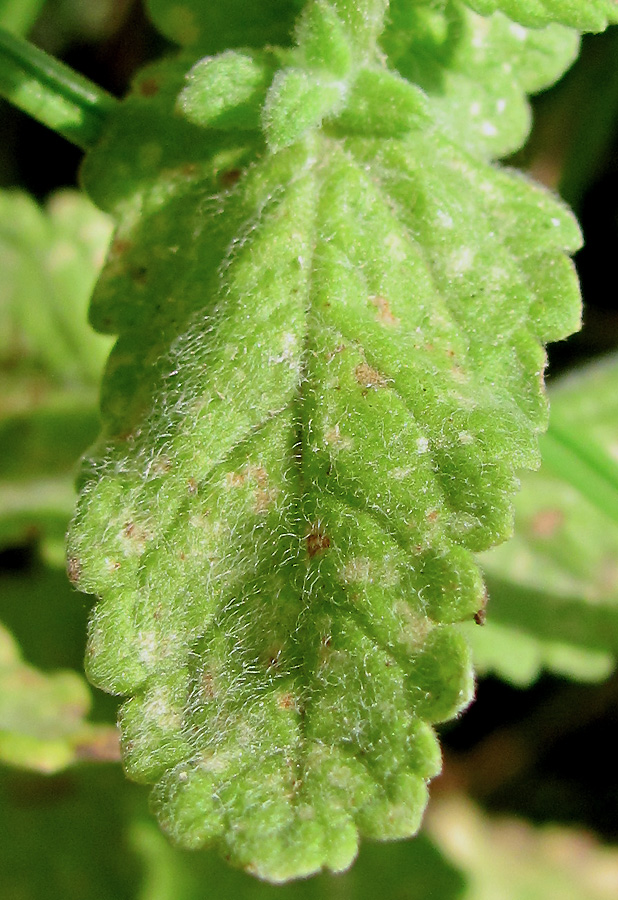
x=476, y=71
x=42, y=717
x=49, y=258
x=216, y=26
x=585, y=15
x=555, y=584
x=329, y=366
x=49, y=360
x=18, y=16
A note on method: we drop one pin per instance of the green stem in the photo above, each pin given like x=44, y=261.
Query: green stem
x=51, y=92
x=584, y=465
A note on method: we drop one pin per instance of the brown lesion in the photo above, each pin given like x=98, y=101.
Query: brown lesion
x=384, y=312
x=230, y=177
x=149, y=87
x=136, y=534
x=317, y=542
x=481, y=614
x=369, y=377
x=264, y=494
x=74, y=570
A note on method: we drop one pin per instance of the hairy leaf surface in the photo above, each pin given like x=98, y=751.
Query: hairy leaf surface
x=477, y=70
x=329, y=365
x=585, y=15
x=556, y=582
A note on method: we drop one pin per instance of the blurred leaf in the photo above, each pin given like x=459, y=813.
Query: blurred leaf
x=49, y=260
x=63, y=838
x=506, y=859
x=520, y=657
x=18, y=16
x=408, y=870
x=554, y=586
x=43, y=716
x=50, y=359
x=212, y=27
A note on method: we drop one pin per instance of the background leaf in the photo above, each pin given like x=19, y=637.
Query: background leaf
x=554, y=586
x=559, y=862
x=50, y=360
x=42, y=717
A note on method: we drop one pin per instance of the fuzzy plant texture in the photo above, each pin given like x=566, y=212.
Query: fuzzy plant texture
x=331, y=306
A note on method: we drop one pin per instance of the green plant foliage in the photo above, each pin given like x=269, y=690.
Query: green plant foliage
x=477, y=71
x=559, y=862
x=211, y=27
x=585, y=15
x=554, y=586
x=17, y=16
x=49, y=361
x=411, y=870
x=42, y=717
x=64, y=837
x=329, y=366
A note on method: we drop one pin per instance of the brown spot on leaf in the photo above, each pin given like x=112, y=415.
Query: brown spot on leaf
x=137, y=535
x=74, y=570
x=547, y=523
x=120, y=246
x=330, y=354
x=384, y=314
x=432, y=515
x=317, y=542
x=208, y=685
x=149, y=87
x=286, y=701
x=481, y=614
x=273, y=656
x=369, y=377
x=192, y=486
x=230, y=177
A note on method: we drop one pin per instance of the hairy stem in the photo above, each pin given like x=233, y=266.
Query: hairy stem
x=51, y=92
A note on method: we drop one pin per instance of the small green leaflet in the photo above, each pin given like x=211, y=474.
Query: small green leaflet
x=329, y=367
x=585, y=15
x=477, y=70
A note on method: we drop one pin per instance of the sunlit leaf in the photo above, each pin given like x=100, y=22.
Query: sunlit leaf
x=329, y=367
x=476, y=70
x=586, y=15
